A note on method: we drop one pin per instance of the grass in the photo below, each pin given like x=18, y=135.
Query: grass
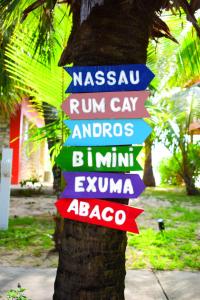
x=27, y=242
x=171, y=194
x=29, y=239
x=178, y=247
x=28, y=232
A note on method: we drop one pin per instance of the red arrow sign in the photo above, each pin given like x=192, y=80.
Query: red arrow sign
x=111, y=105
x=100, y=212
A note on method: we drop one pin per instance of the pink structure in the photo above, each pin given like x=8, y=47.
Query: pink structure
x=16, y=130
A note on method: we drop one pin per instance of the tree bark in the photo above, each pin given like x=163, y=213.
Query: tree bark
x=148, y=176
x=190, y=186
x=92, y=258
x=187, y=175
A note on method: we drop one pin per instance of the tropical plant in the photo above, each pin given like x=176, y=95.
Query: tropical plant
x=8, y=95
x=33, y=76
x=170, y=60
x=172, y=169
x=17, y=294
x=175, y=64
x=92, y=259
x=180, y=109
x=169, y=170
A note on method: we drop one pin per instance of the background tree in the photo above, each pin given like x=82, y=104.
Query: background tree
x=148, y=176
x=176, y=65
x=92, y=259
x=182, y=109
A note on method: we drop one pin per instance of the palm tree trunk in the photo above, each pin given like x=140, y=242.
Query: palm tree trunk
x=148, y=176
x=190, y=186
x=92, y=258
x=187, y=175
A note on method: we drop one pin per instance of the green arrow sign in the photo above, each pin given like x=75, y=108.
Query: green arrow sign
x=103, y=159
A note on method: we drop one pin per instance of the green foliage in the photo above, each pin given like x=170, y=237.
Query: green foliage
x=17, y=294
x=29, y=54
x=45, y=28
x=31, y=186
x=180, y=109
x=43, y=81
x=174, y=249
x=8, y=95
x=187, y=59
x=55, y=132
x=178, y=246
x=33, y=180
x=172, y=169
x=28, y=233
x=174, y=195
x=169, y=170
x=175, y=65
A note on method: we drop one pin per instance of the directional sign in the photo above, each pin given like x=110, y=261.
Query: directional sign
x=112, y=105
x=109, y=78
x=99, y=212
x=103, y=159
x=107, y=132
x=102, y=185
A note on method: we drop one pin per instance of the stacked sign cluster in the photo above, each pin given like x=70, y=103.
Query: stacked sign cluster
x=106, y=107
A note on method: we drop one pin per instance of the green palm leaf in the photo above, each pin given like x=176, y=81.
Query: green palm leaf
x=46, y=82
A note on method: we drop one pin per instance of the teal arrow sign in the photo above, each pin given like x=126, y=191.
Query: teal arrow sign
x=107, y=132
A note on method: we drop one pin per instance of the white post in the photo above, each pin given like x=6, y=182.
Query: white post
x=6, y=167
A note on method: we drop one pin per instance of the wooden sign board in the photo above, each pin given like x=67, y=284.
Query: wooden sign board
x=107, y=132
x=120, y=105
x=102, y=185
x=109, y=78
x=99, y=212
x=102, y=159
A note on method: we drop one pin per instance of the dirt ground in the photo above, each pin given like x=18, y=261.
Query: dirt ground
x=43, y=206
x=37, y=205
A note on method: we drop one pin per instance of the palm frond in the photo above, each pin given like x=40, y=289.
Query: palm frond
x=8, y=95
x=174, y=60
x=30, y=73
x=44, y=14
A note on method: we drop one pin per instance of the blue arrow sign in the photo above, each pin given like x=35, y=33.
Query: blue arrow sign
x=109, y=78
x=107, y=132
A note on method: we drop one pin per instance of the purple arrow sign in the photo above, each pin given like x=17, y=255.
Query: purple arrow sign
x=102, y=185
x=112, y=105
